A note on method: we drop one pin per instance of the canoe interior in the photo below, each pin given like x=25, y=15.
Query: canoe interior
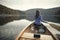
x=28, y=30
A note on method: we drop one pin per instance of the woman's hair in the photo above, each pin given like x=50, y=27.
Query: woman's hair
x=37, y=14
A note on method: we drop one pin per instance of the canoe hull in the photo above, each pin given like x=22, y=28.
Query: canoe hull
x=28, y=34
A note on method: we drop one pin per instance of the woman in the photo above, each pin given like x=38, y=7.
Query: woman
x=37, y=24
x=38, y=20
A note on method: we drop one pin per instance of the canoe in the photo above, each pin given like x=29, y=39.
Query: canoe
x=28, y=34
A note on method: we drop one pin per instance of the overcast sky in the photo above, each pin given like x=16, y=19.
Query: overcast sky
x=28, y=4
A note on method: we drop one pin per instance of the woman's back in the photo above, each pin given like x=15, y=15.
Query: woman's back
x=37, y=18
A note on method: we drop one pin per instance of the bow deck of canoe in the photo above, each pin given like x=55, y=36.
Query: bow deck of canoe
x=27, y=34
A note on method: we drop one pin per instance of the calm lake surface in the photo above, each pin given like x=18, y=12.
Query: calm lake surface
x=10, y=30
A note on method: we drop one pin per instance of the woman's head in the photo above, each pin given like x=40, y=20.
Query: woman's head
x=37, y=14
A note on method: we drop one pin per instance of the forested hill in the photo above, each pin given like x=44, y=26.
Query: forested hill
x=8, y=14
x=52, y=14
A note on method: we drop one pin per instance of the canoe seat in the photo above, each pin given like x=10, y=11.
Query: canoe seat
x=31, y=36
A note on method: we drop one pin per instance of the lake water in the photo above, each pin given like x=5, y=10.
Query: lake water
x=10, y=30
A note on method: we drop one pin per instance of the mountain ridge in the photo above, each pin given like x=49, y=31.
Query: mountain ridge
x=28, y=14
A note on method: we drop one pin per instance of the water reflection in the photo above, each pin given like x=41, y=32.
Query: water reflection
x=10, y=30
x=52, y=14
